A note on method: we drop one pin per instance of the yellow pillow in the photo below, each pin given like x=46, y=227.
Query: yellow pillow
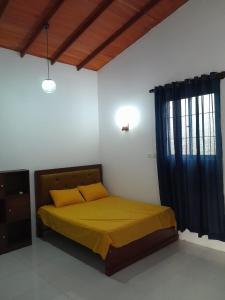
x=93, y=191
x=66, y=197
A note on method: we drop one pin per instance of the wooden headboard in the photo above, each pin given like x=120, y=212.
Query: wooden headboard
x=64, y=178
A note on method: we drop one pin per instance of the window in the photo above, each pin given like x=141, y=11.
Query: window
x=197, y=117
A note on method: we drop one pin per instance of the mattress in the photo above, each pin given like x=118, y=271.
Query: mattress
x=111, y=221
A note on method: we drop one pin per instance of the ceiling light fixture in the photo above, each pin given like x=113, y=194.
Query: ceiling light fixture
x=48, y=85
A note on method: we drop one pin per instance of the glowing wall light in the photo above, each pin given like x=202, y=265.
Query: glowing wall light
x=127, y=117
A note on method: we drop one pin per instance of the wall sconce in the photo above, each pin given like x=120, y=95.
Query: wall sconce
x=125, y=128
x=127, y=117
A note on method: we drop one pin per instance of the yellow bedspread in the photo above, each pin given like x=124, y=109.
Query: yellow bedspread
x=109, y=221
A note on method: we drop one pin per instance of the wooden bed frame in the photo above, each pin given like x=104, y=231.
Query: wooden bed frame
x=117, y=258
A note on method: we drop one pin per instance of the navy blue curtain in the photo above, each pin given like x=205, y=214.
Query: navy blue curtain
x=189, y=153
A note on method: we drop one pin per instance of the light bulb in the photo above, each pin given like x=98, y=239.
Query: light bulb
x=48, y=86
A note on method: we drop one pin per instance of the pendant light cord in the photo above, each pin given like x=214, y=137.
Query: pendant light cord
x=46, y=29
x=48, y=85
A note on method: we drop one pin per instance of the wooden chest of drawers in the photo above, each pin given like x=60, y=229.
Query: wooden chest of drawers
x=15, y=216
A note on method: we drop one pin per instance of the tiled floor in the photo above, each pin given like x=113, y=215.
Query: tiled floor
x=57, y=269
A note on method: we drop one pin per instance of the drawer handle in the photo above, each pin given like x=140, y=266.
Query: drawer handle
x=2, y=186
x=20, y=193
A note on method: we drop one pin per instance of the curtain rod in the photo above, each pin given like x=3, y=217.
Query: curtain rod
x=221, y=75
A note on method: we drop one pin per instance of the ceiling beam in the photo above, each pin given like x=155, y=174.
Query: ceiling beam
x=116, y=34
x=39, y=27
x=3, y=7
x=81, y=29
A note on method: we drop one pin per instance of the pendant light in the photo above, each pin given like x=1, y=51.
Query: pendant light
x=48, y=85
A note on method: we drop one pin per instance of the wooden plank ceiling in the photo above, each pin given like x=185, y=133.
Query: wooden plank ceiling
x=84, y=33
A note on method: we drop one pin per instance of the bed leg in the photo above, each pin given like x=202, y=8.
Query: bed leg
x=108, y=270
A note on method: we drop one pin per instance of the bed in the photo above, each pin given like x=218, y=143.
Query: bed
x=121, y=231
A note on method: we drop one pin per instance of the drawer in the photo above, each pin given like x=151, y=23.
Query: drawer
x=2, y=186
x=3, y=238
x=17, y=208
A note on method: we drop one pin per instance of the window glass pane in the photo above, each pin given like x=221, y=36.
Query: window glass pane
x=184, y=107
x=193, y=105
x=208, y=103
x=171, y=128
x=200, y=123
x=172, y=147
x=193, y=127
x=185, y=127
x=206, y=106
x=185, y=146
x=194, y=146
x=195, y=130
x=213, y=143
x=202, y=146
x=210, y=146
x=170, y=131
x=171, y=109
x=199, y=104
x=206, y=129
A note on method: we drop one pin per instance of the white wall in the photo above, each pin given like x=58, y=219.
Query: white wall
x=41, y=131
x=190, y=42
